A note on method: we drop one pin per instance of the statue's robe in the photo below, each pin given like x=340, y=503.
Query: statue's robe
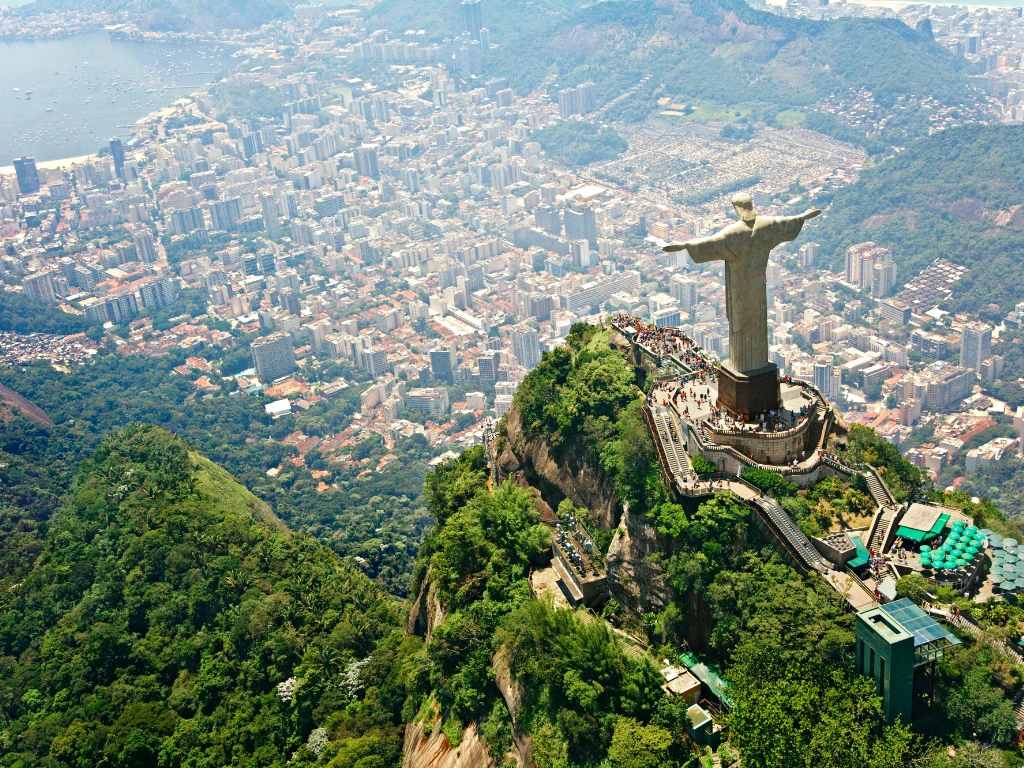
x=745, y=249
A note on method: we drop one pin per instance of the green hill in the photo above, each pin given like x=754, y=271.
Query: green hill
x=163, y=614
x=715, y=52
x=958, y=195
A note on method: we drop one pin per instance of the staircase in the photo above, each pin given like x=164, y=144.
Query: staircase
x=1018, y=707
x=794, y=539
x=818, y=425
x=879, y=492
x=881, y=533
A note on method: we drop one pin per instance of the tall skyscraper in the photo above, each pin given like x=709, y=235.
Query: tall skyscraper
x=145, y=246
x=159, y=292
x=581, y=224
x=883, y=279
x=549, y=219
x=975, y=345
x=28, y=176
x=271, y=221
x=472, y=21
x=273, y=356
x=807, y=255
x=580, y=100
x=442, y=364
x=40, y=287
x=224, y=214
x=861, y=260
x=827, y=378
x=365, y=158
x=526, y=346
x=117, y=152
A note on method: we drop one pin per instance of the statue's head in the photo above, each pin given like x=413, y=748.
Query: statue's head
x=744, y=206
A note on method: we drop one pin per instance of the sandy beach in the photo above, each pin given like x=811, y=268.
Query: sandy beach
x=52, y=165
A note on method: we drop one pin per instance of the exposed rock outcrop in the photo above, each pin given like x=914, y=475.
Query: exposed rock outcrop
x=436, y=752
x=634, y=580
x=522, y=745
x=427, y=611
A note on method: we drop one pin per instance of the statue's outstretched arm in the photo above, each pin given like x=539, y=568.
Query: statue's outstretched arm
x=703, y=249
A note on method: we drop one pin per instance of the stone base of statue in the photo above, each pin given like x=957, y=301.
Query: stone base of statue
x=749, y=394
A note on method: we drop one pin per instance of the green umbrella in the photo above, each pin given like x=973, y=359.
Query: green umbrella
x=961, y=561
x=971, y=550
x=972, y=529
x=995, y=578
x=925, y=548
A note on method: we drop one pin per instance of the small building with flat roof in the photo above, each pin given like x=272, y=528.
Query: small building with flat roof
x=897, y=647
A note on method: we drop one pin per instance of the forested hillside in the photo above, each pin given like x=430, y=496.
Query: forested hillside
x=958, y=195
x=378, y=517
x=719, y=53
x=171, y=620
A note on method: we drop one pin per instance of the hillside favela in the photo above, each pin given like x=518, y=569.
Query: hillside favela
x=511, y=384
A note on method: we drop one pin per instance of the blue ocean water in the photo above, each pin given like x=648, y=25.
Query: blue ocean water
x=66, y=97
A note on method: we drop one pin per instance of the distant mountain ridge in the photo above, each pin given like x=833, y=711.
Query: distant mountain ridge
x=713, y=51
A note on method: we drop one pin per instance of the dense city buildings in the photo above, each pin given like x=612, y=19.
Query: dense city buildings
x=410, y=228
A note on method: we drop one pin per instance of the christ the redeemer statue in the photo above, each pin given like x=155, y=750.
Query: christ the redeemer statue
x=745, y=247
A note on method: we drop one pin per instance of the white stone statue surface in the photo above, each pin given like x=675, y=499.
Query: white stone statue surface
x=745, y=247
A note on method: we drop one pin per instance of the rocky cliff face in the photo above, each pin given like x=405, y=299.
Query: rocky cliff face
x=570, y=472
x=557, y=473
x=426, y=612
x=634, y=581
x=435, y=751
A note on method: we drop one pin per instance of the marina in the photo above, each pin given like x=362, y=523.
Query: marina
x=96, y=87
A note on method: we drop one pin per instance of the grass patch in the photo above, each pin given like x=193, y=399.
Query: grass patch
x=790, y=118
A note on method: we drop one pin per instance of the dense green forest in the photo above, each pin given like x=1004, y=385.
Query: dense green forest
x=23, y=314
x=718, y=53
x=163, y=615
x=378, y=517
x=170, y=620
x=587, y=393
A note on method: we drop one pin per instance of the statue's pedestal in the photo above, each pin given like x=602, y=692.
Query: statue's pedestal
x=751, y=393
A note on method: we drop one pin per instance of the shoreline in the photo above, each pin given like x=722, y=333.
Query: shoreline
x=53, y=165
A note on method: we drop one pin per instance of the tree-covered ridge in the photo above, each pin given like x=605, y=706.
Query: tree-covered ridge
x=953, y=195
x=584, y=698
x=585, y=393
x=165, y=613
x=717, y=52
x=377, y=517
